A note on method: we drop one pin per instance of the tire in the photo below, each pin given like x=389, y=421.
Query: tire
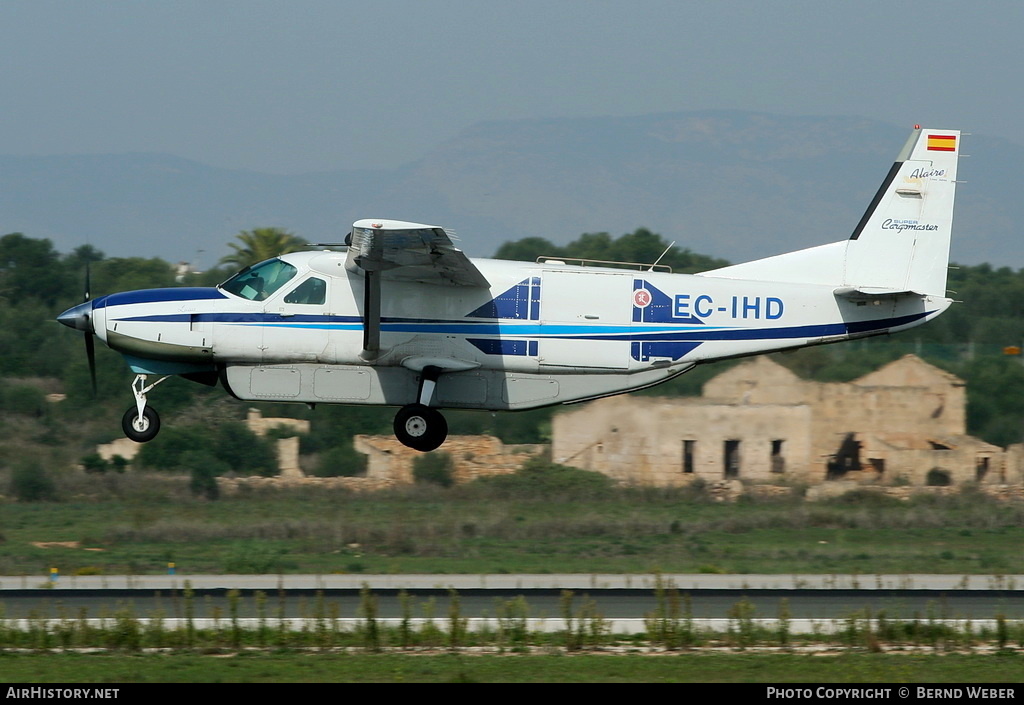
x=420, y=427
x=141, y=430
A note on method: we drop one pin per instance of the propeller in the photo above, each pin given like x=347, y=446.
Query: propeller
x=80, y=318
x=90, y=344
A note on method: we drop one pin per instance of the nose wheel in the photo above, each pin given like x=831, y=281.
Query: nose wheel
x=141, y=423
x=420, y=427
x=141, y=428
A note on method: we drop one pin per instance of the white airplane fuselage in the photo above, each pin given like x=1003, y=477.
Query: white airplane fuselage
x=542, y=334
x=402, y=317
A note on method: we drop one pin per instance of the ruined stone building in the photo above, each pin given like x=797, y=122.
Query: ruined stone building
x=903, y=423
x=391, y=463
x=287, y=447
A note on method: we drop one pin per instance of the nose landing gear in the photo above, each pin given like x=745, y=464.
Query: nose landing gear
x=141, y=423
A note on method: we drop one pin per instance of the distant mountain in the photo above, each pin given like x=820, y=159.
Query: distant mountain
x=734, y=185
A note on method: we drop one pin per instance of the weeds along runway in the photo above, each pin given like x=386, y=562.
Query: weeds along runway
x=704, y=596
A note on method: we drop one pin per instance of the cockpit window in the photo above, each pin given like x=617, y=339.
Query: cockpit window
x=260, y=280
x=311, y=291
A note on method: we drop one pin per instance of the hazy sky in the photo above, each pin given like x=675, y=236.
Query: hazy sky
x=309, y=85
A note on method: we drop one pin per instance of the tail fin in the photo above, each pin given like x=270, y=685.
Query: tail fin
x=902, y=242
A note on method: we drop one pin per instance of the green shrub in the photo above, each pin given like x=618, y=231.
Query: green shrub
x=864, y=496
x=434, y=468
x=231, y=443
x=164, y=452
x=93, y=463
x=243, y=451
x=30, y=482
x=204, y=468
x=540, y=478
x=22, y=399
x=341, y=461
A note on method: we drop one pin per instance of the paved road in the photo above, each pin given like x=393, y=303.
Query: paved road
x=551, y=581
x=616, y=596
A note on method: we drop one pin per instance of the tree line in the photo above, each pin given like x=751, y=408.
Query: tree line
x=975, y=340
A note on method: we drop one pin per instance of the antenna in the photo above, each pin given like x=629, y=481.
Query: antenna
x=671, y=245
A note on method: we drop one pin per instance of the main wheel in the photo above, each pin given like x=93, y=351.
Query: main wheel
x=420, y=427
x=141, y=429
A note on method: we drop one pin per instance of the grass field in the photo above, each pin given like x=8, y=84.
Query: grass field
x=137, y=525
x=294, y=667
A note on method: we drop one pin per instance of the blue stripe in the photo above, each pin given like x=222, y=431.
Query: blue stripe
x=501, y=346
x=145, y=296
x=412, y=325
x=660, y=333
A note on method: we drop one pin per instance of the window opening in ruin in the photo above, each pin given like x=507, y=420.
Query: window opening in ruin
x=981, y=467
x=688, y=450
x=731, y=459
x=877, y=464
x=846, y=458
x=778, y=462
x=937, y=477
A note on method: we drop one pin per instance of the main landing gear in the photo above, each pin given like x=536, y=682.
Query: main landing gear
x=420, y=427
x=141, y=423
x=417, y=425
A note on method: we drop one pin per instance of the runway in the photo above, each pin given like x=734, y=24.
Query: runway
x=546, y=596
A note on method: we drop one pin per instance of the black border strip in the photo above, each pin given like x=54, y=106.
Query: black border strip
x=874, y=201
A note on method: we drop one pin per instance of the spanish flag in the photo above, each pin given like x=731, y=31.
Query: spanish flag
x=942, y=143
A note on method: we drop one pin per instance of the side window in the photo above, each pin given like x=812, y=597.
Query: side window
x=311, y=291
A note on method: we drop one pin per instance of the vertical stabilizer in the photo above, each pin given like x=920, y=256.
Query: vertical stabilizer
x=902, y=241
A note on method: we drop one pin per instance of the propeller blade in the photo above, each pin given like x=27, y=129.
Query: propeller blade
x=80, y=318
x=90, y=354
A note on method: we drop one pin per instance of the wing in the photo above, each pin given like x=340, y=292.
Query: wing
x=394, y=250
x=410, y=252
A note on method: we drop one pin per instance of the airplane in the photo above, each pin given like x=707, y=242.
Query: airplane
x=399, y=316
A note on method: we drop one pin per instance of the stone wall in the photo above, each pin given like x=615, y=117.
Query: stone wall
x=671, y=442
x=472, y=457
x=759, y=421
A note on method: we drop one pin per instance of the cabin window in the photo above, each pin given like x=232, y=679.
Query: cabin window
x=311, y=291
x=261, y=280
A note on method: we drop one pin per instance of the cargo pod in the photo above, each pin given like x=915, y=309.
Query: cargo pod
x=586, y=319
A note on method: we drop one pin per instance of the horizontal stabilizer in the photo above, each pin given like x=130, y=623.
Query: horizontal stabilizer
x=869, y=293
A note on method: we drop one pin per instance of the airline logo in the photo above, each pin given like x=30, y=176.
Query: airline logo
x=941, y=143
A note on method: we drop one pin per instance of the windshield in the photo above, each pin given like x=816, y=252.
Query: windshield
x=260, y=280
